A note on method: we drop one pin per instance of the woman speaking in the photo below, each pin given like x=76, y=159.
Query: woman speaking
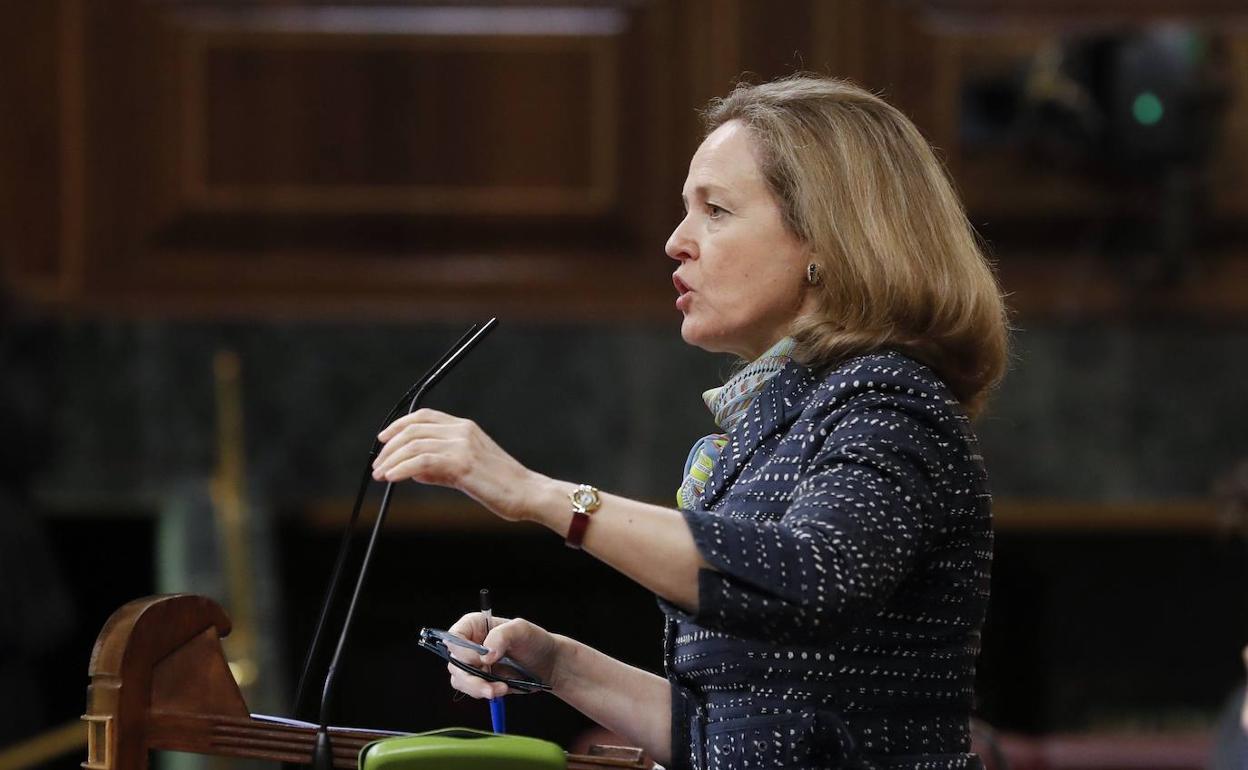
x=825, y=571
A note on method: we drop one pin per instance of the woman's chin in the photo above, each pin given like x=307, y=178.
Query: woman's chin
x=693, y=334
x=689, y=332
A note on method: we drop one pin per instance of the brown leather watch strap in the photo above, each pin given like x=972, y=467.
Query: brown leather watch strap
x=585, y=501
x=576, y=530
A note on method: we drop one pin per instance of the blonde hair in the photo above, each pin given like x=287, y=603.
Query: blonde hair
x=899, y=264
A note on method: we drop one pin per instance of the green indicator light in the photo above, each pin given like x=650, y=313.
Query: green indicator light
x=1147, y=108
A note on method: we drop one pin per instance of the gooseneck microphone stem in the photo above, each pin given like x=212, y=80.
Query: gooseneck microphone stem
x=322, y=757
x=348, y=534
x=328, y=687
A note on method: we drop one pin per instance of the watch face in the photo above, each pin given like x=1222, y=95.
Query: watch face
x=583, y=498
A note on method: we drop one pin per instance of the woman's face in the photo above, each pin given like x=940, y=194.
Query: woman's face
x=741, y=280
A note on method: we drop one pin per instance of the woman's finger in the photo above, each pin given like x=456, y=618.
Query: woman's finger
x=410, y=450
x=412, y=433
x=423, y=415
x=467, y=684
x=475, y=686
x=465, y=655
x=529, y=644
x=433, y=468
x=507, y=635
x=471, y=627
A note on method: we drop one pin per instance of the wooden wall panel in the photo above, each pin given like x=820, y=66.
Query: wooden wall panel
x=415, y=159
x=1002, y=182
x=443, y=114
x=1229, y=192
x=1067, y=11
x=399, y=160
x=40, y=141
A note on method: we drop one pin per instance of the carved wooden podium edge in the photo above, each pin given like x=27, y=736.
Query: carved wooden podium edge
x=159, y=681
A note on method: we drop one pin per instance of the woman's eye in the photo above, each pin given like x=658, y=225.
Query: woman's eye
x=714, y=211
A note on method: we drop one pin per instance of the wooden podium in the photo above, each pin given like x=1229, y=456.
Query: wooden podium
x=159, y=681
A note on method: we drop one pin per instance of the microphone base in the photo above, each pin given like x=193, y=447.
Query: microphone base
x=322, y=751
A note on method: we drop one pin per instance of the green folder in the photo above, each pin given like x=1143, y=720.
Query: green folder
x=453, y=748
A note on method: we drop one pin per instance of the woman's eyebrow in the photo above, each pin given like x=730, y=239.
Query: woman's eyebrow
x=705, y=192
x=712, y=190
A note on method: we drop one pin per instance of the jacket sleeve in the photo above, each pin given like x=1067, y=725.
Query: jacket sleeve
x=855, y=526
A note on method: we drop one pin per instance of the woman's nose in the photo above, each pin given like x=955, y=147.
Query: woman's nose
x=679, y=246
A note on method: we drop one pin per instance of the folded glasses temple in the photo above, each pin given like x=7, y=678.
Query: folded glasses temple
x=437, y=640
x=532, y=683
x=429, y=378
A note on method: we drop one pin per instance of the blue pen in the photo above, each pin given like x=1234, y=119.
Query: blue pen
x=498, y=713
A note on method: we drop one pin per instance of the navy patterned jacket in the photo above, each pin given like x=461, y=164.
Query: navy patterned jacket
x=848, y=525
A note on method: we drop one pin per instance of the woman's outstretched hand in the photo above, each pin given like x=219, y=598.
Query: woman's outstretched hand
x=648, y=543
x=433, y=447
x=526, y=643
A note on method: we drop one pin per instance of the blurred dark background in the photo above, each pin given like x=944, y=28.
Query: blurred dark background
x=233, y=231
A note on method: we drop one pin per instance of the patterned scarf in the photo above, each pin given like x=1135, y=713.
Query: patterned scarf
x=728, y=404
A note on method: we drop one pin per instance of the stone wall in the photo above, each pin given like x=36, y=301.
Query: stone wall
x=1104, y=413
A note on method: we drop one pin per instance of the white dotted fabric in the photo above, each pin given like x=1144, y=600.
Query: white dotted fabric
x=848, y=525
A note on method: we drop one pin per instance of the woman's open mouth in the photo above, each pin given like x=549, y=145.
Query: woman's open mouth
x=686, y=293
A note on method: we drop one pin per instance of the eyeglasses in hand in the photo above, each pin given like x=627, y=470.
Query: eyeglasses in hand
x=436, y=641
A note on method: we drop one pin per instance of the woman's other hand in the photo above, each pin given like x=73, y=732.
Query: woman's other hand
x=528, y=644
x=433, y=447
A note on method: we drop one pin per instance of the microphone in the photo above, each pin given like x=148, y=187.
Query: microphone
x=322, y=756
x=348, y=535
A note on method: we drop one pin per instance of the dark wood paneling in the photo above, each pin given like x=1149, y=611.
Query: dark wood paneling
x=410, y=125
x=1065, y=12
x=39, y=140
x=404, y=160
x=443, y=114
x=1005, y=182
x=414, y=159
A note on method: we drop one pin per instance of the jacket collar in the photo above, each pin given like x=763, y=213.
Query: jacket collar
x=775, y=409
